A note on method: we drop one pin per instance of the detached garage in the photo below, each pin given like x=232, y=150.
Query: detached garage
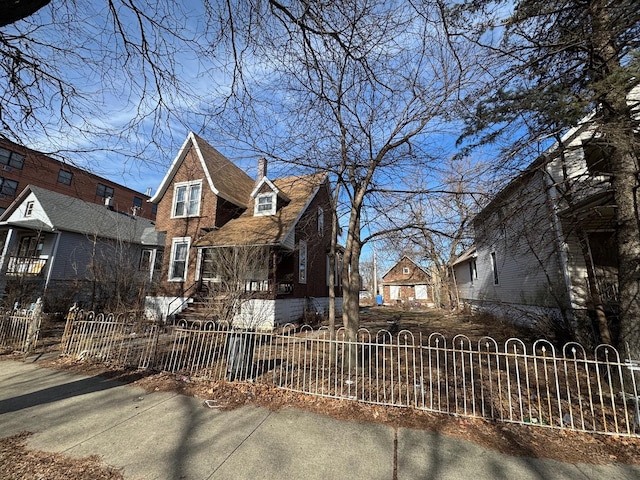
x=407, y=283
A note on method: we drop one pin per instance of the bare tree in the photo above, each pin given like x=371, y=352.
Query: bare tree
x=355, y=89
x=96, y=77
x=236, y=279
x=436, y=225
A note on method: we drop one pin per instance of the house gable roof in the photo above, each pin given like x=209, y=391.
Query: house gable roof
x=265, y=181
x=276, y=229
x=224, y=178
x=63, y=213
x=404, y=258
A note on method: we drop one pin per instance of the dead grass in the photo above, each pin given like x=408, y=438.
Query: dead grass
x=17, y=462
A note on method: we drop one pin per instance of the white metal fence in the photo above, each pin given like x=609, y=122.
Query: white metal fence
x=534, y=384
x=20, y=328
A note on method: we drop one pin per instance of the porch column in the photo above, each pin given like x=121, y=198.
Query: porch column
x=8, y=243
x=52, y=259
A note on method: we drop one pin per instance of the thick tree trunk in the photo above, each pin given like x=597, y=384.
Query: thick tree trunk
x=351, y=281
x=625, y=185
x=332, y=275
x=618, y=129
x=594, y=293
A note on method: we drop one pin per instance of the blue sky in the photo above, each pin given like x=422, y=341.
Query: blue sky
x=138, y=154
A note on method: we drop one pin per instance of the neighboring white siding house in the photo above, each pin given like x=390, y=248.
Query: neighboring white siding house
x=534, y=238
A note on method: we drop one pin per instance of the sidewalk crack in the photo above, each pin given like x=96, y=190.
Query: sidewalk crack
x=239, y=445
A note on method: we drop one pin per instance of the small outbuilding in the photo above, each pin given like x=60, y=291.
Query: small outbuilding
x=407, y=283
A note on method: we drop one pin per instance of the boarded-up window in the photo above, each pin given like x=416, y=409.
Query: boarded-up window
x=394, y=292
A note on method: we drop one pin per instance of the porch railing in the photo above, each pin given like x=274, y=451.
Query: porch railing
x=25, y=266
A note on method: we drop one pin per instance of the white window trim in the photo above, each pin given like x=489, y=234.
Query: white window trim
x=174, y=242
x=320, y=221
x=494, y=268
x=189, y=185
x=473, y=270
x=406, y=270
x=28, y=209
x=303, y=254
x=265, y=213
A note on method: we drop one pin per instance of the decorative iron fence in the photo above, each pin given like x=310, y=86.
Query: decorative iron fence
x=20, y=328
x=533, y=384
x=124, y=339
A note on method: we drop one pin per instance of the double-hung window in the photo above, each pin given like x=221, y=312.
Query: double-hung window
x=8, y=187
x=320, y=221
x=494, y=267
x=473, y=270
x=65, y=177
x=11, y=159
x=186, y=199
x=179, y=259
x=302, y=261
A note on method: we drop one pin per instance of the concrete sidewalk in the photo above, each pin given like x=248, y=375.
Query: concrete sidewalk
x=169, y=436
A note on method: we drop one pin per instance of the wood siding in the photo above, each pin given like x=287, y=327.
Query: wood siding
x=517, y=238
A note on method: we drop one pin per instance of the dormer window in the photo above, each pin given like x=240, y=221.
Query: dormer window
x=265, y=204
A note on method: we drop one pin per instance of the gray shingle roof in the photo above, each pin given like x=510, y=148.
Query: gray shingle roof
x=75, y=215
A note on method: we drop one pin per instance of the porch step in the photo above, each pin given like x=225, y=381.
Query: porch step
x=198, y=314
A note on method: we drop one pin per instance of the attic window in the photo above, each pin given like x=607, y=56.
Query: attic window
x=598, y=155
x=28, y=209
x=406, y=271
x=265, y=204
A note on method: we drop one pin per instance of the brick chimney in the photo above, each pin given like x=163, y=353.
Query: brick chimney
x=262, y=168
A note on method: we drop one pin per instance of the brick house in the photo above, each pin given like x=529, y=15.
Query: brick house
x=21, y=166
x=208, y=206
x=407, y=283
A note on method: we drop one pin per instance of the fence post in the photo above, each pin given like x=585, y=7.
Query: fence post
x=68, y=327
x=34, y=328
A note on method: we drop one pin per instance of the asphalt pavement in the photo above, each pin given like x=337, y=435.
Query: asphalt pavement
x=164, y=435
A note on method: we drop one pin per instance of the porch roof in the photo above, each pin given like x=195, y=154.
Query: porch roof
x=32, y=224
x=248, y=229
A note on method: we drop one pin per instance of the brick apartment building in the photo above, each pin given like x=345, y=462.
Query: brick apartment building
x=20, y=166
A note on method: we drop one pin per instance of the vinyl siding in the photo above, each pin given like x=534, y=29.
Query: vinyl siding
x=520, y=234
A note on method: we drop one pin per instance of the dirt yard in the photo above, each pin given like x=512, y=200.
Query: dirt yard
x=512, y=439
